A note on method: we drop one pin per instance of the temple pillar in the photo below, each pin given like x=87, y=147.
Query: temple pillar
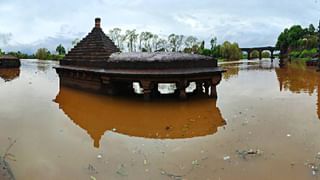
x=107, y=85
x=155, y=90
x=213, y=83
x=182, y=85
x=206, y=87
x=199, y=87
x=147, y=88
x=213, y=92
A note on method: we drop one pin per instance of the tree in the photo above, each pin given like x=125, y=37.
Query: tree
x=290, y=37
x=154, y=43
x=202, y=45
x=61, y=50
x=266, y=54
x=311, y=29
x=180, y=42
x=1, y=52
x=190, y=41
x=145, y=41
x=116, y=37
x=131, y=37
x=230, y=51
x=172, y=39
x=213, y=43
x=175, y=42
x=42, y=54
x=162, y=45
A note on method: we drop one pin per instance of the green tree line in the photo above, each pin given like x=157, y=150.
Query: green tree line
x=298, y=42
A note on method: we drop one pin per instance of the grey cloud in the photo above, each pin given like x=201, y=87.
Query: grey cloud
x=5, y=38
x=35, y=23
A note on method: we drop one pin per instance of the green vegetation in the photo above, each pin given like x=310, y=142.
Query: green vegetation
x=230, y=51
x=45, y=54
x=61, y=50
x=298, y=42
x=266, y=54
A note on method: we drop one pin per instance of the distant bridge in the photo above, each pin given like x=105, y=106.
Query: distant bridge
x=260, y=50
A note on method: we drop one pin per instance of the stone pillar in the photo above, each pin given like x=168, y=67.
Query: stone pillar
x=260, y=54
x=155, y=89
x=182, y=85
x=249, y=55
x=213, y=83
x=199, y=87
x=206, y=87
x=147, y=88
x=107, y=86
x=213, y=93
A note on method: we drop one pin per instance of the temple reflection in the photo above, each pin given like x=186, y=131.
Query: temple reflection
x=9, y=74
x=160, y=120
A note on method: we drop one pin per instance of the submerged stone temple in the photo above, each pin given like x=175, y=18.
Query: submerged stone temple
x=96, y=64
x=8, y=61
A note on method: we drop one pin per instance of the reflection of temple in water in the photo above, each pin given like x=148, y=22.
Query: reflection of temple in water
x=298, y=78
x=160, y=120
x=9, y=74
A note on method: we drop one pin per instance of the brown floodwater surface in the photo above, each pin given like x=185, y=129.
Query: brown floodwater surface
x=264, y=125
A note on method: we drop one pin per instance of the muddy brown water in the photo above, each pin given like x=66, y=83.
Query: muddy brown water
x=62, y=133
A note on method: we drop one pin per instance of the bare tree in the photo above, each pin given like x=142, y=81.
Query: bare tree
x=131, y=38
x=162, y=45
x=190, y=41
x=116, y=37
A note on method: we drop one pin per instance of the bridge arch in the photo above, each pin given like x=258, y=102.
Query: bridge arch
x=260, y=50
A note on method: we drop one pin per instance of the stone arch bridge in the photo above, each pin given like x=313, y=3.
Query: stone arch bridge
x=260, y=50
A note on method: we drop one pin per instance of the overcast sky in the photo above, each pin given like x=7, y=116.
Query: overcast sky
x=29, y=24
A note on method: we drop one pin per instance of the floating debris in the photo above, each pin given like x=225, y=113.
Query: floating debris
x=251, y=152
x=92, y=169
x=121, y=170
x=288, y=135
x=315, y=166
x=226, y=158
x=5, y=171
x=99, y=156
x=172, y=176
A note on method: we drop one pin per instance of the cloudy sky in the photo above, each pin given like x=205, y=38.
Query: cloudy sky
x=28, y=24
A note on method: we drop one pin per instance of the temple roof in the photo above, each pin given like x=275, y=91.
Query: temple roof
x=157, y=56
x=8, y=57
x=96, y=46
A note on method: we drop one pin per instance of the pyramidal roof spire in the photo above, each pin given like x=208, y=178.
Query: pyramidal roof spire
x=98, y=22
x=95, y=48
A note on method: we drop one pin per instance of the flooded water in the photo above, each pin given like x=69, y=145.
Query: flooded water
x=264, y=125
